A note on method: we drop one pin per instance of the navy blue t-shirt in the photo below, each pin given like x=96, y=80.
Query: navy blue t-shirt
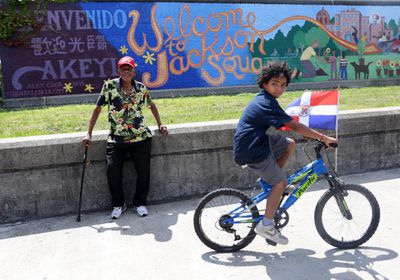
x=250, y=143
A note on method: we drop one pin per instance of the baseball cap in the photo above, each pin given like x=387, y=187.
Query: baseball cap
x=127, y=60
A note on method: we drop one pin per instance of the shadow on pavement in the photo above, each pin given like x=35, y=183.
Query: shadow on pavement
x=161, y=217
x=157, y=224
x=301, y=264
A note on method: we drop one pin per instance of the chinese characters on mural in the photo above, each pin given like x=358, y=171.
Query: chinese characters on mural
x=200, y=45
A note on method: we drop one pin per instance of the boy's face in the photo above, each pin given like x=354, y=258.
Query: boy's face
x=276, y=86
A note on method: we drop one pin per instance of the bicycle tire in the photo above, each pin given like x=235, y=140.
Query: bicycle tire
x=207, y=220
x=365, y=213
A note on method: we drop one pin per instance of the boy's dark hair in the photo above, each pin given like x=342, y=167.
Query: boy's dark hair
x=274, y=69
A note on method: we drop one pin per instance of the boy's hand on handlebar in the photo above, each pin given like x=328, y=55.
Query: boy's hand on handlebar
x=329, y=141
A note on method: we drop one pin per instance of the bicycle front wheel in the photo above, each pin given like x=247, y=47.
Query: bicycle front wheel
x=224, y=221
x=360, y=224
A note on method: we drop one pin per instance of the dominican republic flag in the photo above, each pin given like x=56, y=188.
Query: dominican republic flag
x=317, y=109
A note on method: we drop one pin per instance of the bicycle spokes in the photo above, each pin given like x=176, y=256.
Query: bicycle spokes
x=224, y=222
x=342, y=228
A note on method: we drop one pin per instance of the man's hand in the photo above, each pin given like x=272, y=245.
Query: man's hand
x=163, y=130
x=86, y=141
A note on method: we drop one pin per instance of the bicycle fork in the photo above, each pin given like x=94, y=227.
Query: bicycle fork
x=339, y=193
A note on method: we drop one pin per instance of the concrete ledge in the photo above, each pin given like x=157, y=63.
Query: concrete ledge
x=40, y=176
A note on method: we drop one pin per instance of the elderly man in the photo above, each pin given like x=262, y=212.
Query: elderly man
x=125, y=98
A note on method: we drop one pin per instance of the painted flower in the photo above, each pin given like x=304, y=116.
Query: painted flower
x=378, y=64
x=392, y=64
x=385, y=63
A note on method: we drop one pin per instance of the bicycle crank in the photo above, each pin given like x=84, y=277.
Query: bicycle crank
x=281, y=218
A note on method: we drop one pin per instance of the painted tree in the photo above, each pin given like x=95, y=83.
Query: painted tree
x=393, y=26
x=299, y=40
x=290, y=38
x=319, y=34
x=280, y=42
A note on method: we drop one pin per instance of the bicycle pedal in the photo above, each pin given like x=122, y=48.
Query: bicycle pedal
x=270, y=242
x=237, y=237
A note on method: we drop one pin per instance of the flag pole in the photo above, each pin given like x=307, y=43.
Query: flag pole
x=337, y=130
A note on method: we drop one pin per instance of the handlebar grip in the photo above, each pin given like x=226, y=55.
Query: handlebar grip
x=333, y=145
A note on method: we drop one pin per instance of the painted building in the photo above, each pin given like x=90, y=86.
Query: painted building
x=350, y=25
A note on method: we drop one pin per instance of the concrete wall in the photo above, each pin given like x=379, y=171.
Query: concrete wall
x=40, y=176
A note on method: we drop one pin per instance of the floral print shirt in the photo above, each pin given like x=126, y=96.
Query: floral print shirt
x=127, y=123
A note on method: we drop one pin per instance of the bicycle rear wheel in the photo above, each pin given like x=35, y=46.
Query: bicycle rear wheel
x=214, y=223
x=351, y=232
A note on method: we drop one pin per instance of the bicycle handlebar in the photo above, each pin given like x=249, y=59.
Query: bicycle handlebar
x=321, y=145
x=332, y=145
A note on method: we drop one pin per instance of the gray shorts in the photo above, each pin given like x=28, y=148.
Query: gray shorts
x=268, y=169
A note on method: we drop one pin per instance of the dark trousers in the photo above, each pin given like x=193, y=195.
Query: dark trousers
x=140, y=154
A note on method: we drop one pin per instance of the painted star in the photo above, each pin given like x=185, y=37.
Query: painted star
x=89, y=88
x=68, y=87
x=149, y=58
x=123, y=49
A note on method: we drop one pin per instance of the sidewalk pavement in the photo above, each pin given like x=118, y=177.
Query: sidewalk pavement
x=164, y=245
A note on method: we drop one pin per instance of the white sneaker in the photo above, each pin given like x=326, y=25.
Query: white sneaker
x=271, y=233
x=141, y=210
x=117, y=212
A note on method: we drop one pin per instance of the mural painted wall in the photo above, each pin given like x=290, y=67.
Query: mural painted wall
x=178, y=45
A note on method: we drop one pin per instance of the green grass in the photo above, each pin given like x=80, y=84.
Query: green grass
x=74, y=118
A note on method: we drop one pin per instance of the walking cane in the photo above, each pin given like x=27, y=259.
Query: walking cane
x=78, y=218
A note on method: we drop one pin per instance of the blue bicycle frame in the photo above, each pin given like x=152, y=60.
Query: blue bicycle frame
x=307, y=175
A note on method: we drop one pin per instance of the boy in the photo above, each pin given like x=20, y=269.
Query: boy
x=267, y=154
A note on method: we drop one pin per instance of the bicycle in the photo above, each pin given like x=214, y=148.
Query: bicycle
x=346, y=215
